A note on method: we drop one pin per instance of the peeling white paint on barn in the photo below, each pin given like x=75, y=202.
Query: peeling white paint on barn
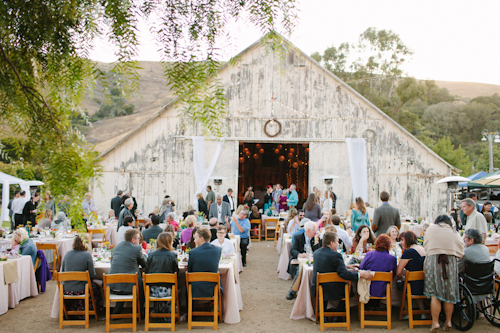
x=313, y=107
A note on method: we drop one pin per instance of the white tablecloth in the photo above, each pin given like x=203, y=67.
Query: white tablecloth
x=284, y=260
x=63, y=246
x=232, y=302
x=13, y=293
x=407, y=226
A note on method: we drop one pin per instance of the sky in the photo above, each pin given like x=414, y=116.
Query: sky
x=452, y=40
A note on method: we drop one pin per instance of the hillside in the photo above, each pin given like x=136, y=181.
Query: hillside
x=154, y=94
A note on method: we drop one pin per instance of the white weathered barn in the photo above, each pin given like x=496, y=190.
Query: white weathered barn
x=316, y=113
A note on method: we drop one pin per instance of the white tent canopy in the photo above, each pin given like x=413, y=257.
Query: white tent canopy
x=7, y=180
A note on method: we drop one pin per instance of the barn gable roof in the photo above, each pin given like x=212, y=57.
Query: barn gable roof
x=345, y=85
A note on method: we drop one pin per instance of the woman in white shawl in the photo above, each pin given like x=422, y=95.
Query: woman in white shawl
x=60, y=222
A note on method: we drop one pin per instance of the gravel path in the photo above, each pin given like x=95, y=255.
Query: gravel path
x=265, y=308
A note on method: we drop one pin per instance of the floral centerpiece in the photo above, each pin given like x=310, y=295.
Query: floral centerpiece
x=201, y=217
x=2, y=232
x=271, y=211
x=106, y=245
x=53, y=232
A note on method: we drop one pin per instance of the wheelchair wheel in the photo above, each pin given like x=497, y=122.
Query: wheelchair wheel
x=464, y=311
x=491, y=306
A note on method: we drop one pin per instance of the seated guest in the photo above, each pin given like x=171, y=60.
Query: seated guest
x=46, y=222
x=79, y=260
x=186, y=233
x=328, y=260
x=343, y=235
x=393, y=233
x=240, y=227
x=379, y=260
x=301, y=228
x=412, y=260
x=204, y=258
x=363, y=236
x=60, y=222
x=254, y=214
x=213, y=228
x=154, y=230
x=163, y=260
x=26, y=245
x=192, y=244
x=171, y=220
x=325, y=219
x=222, y=241
x=175, y=241
x=298, y=250
x=189, y=211
x=126, y=258
x=128, y=223
x=292, y=221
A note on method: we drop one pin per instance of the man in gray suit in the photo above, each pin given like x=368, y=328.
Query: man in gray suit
x=219, y=209
x=126, y=258
x=385, y=216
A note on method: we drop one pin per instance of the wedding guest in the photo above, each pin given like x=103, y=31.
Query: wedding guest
x=163, y=260
x=223, y=242
x=46, y=221
x=312, y=209
x=88, y=204
x=359, y=215
x=60, y=222
x=26, y=245
x=361, y=239
x=128, y=223
x=154, y=230
x=186, y=233
x=175, y=240
x=79, y=260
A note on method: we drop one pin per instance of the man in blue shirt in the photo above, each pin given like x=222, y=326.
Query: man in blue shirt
x=240, y=226
x=293, y=197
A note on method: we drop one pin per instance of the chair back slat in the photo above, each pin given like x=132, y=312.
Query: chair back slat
x=119, y=278
x=202, y=277
x=43, y=246
x=159, y=278
x=73, y=276
x=382, y=276
x=255, y=221
x=329, y=277
x=415, y=276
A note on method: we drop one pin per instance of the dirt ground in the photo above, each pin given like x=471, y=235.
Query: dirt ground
x=265, y=308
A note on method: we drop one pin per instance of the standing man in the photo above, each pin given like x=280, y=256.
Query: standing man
x=17, y=208
x=229, y=199
x=204, y=257
x=475, y=220
x=300, y=242
x=473, y=196
x=126, y=258
x=116, y=203
x=315, y=189
x=126, y=211
x=463, y=217
x=154, y=230
x=240, y=226
x=219, y=210
x=293, y=197
x=210, y=199
x=11, y=212
x=276, y=197
x=385, y=216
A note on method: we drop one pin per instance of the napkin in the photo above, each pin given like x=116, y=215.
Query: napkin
x=9, y=271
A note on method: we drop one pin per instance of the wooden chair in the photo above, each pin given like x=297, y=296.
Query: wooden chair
x=134, y=298
x=493, y=248
x=320, y=311
x=273, y=227
x=385, y=277
x=57, y=260
x=259, y=223
x=93, y=232
x=413, y=276
x=204, y=277
x=63, y=313
x=174, y=299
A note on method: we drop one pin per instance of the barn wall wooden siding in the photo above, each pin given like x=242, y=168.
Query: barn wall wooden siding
x=310, y=104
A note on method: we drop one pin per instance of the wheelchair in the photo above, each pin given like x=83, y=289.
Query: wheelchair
x=478, y=279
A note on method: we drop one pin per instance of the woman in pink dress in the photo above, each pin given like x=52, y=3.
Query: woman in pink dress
x=282, y=202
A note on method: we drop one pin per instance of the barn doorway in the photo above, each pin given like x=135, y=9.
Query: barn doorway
x=262, y=164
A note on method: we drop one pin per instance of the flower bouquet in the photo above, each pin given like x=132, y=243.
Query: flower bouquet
x=53, y=232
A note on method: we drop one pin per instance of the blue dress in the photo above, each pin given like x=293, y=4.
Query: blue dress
x=358, y=219
x=415, y=263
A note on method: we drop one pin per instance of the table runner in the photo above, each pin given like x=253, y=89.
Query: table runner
x=9, y=271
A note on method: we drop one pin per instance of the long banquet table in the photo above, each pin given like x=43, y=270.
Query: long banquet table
x=25, y=286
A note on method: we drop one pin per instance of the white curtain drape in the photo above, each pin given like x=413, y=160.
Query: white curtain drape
x=5, y=201
x=356, y=150
x=201, y=173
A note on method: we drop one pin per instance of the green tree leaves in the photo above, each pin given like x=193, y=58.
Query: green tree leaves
x=456, y=157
